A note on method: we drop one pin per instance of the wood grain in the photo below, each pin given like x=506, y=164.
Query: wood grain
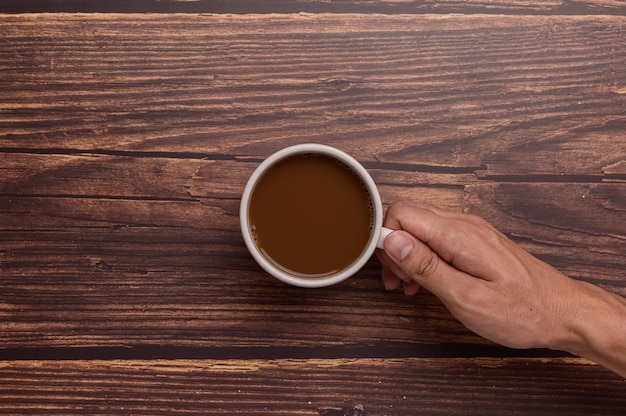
x=441, y=90
x=318, y=6
x=311, y=387
x=126, y=142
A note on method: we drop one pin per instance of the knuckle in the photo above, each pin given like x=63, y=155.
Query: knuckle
x=396, y=209
x=426, y=265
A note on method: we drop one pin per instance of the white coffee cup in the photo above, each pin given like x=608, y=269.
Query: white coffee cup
x=377, y=237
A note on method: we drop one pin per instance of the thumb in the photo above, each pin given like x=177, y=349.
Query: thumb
x=419, y=262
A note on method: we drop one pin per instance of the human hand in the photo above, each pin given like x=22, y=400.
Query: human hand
x=497, y=289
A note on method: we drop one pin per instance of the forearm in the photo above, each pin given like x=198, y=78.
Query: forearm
x=599, y=329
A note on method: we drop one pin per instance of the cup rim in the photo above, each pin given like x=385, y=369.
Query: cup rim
x=317, y=149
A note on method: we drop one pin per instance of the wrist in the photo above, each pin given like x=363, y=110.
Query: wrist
x=595, y=327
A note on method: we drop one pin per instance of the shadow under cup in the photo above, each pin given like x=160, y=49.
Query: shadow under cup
x=311, y=215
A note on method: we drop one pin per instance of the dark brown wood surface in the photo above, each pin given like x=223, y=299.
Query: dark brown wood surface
x=126, y=140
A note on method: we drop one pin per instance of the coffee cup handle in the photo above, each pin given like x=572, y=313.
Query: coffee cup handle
x=384, y=232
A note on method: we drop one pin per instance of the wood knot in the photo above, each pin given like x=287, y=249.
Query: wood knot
x=338, y=84
x=103, y=266
x=353, y=410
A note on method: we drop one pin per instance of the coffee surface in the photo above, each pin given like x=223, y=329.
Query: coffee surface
x=311, y=215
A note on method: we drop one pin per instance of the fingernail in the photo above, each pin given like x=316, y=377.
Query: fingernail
x=398, y=245
x=410, y=288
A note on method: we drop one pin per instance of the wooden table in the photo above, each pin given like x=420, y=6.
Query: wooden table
x=125, y=142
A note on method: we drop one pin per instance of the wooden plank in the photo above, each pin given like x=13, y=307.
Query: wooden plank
x=311, y=387
x=317, y=6
x=420, y=90
x=119, y=271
